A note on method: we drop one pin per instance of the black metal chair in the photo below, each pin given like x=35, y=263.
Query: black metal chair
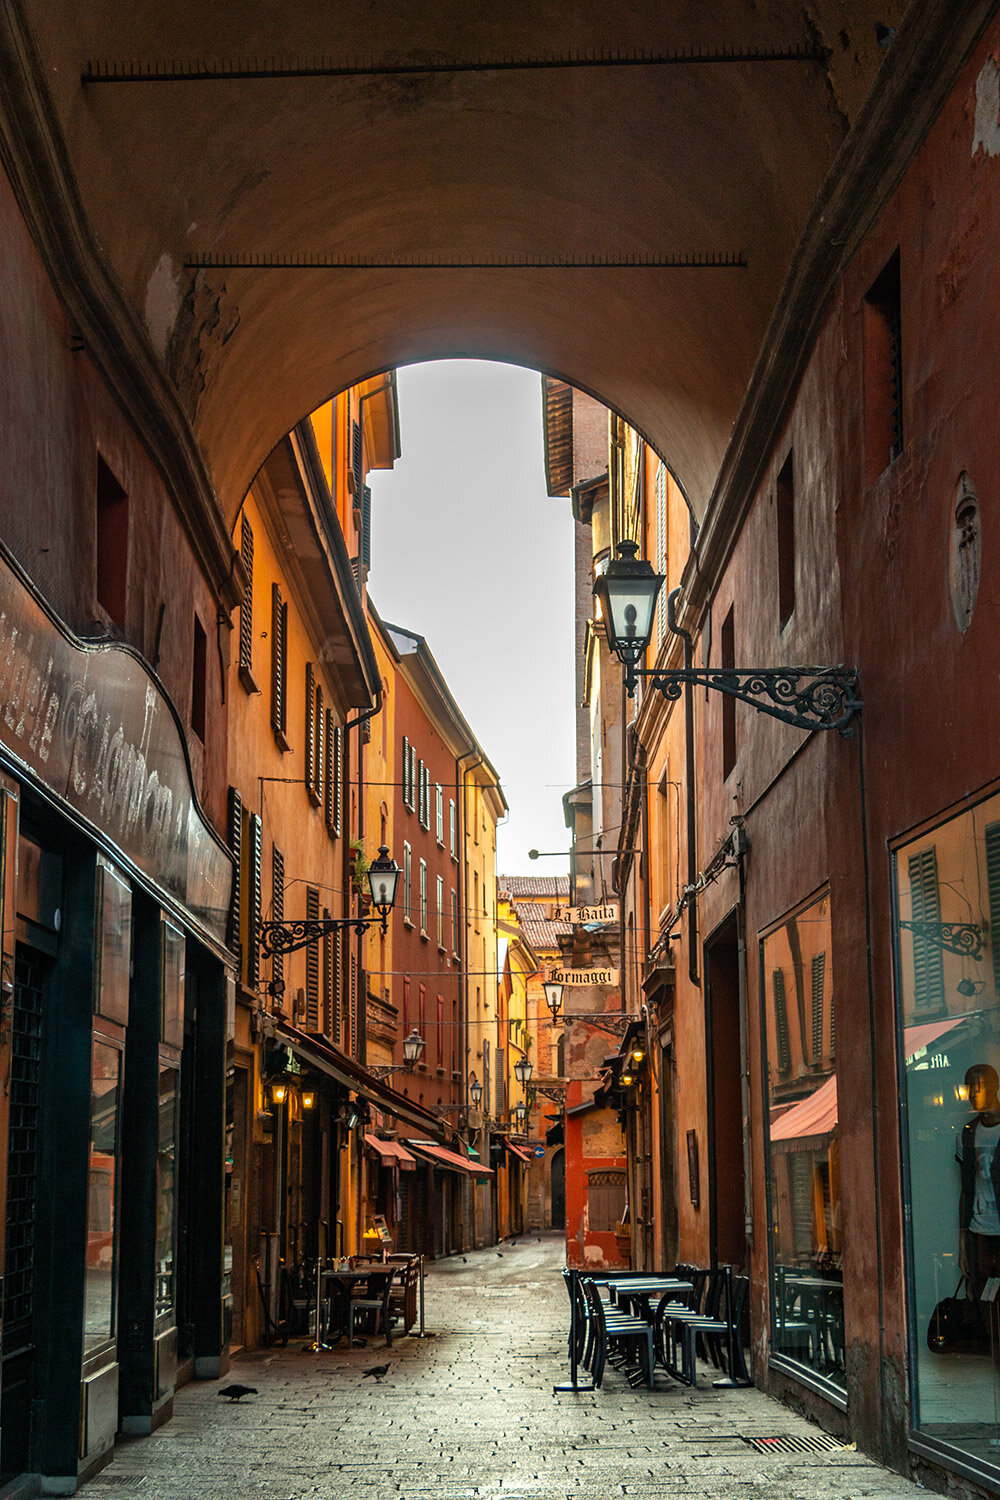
x=371, y=1300
x=613, y=1328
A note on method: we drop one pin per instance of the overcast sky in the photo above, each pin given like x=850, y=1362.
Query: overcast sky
x=469, y=551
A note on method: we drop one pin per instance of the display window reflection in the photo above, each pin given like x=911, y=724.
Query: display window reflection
x=166, y=1193
x=102, y=1195
x=947, y=897
x=807, y=1293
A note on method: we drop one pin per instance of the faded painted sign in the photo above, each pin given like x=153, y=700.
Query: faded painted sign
x=94, y=726
x=578, y=978
x=579, y=914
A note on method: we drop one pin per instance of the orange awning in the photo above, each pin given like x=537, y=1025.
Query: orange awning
x=521, y=1151
x=440, y=1155
x=392, y=1152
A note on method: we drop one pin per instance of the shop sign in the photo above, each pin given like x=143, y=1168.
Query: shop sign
x=577, y=978
x=93, y=725
x=579, y=914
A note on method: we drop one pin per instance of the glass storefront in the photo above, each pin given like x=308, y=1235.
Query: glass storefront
x=947, y=889
x=803, y=1149
x=166, y=1193
x=102, y=1186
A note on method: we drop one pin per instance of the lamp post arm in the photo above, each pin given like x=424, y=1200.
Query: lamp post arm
x=806, y=697
x=288, y=937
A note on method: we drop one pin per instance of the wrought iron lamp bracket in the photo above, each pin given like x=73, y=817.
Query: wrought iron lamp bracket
x=805, y=697
x=963, y=938
x=613, y=1025
x=286, y=937
x=551, y=1091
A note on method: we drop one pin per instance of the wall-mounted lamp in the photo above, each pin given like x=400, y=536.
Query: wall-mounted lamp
x=638, y=1053
x=413, y=1050
x=628, y=1079
x=279, y=1092
x=553, y=998
x=475, y=1091
x=308, y=1098
x=522, y=1070
x=286, y=937
x=521, y=1115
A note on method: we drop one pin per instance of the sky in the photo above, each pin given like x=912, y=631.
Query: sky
x=469, y=551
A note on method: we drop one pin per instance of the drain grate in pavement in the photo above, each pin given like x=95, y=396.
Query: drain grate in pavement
x=787, y=1442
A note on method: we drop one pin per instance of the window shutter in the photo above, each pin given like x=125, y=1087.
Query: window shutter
x=338, y=779
x=277, y=909
x=406, y=772
x=356, y=460
x=925, y=906
x=246, y=603
x=420, y=792
x=279, y=660
x=818, y=983
x=310, y=726
x=992, y=838
x=312, y=964
x=782, y=1040
x=329, y=793
x=234, y=840
x=366, y=526
x=319, y=781
x=354, y=1006
x=253, y=923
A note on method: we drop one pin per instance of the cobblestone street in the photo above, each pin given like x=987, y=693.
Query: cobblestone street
x=469, y=1411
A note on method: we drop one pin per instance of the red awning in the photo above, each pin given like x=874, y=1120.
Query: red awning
x=392, y=1152
x=521, y=1151
x=440, y=1156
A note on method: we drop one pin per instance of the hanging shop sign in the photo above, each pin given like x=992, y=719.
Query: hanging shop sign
x=93, y=725
x=608, y=912
x=577, y=978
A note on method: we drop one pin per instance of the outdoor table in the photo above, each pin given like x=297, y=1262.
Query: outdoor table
x=639, y=1289
x=344, y=1282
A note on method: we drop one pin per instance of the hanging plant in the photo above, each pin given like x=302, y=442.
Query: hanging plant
x=360, y=865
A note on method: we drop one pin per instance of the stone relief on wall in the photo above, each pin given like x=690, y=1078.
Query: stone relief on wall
x=966, y=546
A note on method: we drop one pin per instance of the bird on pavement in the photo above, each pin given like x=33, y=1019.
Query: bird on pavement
x=236, y=1392
x=465, y=1260
x=378, y=1371
x=500, y=1255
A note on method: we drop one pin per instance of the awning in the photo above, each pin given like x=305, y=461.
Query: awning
x=392, y=1152
x=440, y=1156
x=326, y=1058
x=521, y=1151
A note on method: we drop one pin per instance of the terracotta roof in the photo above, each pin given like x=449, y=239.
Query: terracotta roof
x=538, y=928
x=535, y=885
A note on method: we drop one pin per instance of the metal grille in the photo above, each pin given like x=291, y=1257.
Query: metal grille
x=23, y=1154
x=787, y=1442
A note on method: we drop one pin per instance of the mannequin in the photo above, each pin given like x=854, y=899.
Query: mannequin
x=979, y=1158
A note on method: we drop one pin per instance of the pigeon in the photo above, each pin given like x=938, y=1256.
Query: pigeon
x=236, y=1392
x=499, y=1255
x=884, y=35
x=378, y=1371
x=465, y=1260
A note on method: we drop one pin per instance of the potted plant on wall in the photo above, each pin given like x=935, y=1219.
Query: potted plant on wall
x=360, y=865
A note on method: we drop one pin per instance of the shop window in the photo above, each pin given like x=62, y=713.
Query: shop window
x=801, y=1121
x=946, y=894
x=246, y=608
x=606, y=1197
x=99, y=1306
x=883, y=398
x=199, y=672
x=784, y=501
x=112, y=544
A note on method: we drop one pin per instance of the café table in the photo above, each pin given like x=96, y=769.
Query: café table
x=342, y=1281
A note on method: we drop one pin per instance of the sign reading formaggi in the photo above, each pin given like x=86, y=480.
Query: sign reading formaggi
x=580, y=977
x=93, y=725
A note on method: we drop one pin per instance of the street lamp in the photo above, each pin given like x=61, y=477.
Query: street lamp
x=521, y=1113
x=413, y=1047
x=553, y=998
x=475, y=1091
x=807, y=697
x=287, y=937
x=522, y=1071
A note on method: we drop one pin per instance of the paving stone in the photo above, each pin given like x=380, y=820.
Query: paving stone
x=469, y=1413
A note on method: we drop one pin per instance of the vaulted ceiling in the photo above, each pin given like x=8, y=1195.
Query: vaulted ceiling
x=385, y=136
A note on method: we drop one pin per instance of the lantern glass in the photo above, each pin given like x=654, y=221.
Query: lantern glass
x=628, y=590
x=383, y=877
x=308, y=1098
x=521, y=1114
x=627, y=1079
x=522, y=1070
x=475, y=1091
x=553, y=997
x=413, y=1048
x=279, y=1092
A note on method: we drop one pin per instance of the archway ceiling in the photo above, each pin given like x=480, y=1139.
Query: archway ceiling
x=711, y=159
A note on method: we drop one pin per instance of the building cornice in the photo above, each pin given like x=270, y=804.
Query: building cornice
x=933, y=44
x=35, y=158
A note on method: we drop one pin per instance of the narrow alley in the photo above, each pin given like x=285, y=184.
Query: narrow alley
x=469, y=1411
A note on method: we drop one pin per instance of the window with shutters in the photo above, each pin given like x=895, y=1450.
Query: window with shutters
x=925, y=931
x=453, y=822
x=423, y=898
x=420, y=792
x=310, y=727
x=783, y=1049
x=439, y=812
x=440, y=1033
x=499, y=1082
x=405, y=771
x=440, y=912
x=255, y=855
x=427, y=797
x=279, y=667
x=818, y=978
x=406, y=1005
x=318, y=788
x=234, y=842
x=422, y=1014
x=728, y=704
x=312, y=963
x=992, y=847
x=606, y=1197
x=277, y=912
x=246, y=608
x=454, y=923
x=353, y=1040
x=333, y=797
x=408, y=885
x=660, y=561
x=331, y=981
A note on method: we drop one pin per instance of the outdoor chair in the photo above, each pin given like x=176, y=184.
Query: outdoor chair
x=371, y=1300
x=611, y=1328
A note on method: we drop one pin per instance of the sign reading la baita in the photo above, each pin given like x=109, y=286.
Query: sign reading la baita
x=578, y=915
x=94, y=726
x=577, y=978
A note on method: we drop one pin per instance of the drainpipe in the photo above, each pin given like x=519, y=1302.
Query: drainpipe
x=475, y=757
x=692, y=853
